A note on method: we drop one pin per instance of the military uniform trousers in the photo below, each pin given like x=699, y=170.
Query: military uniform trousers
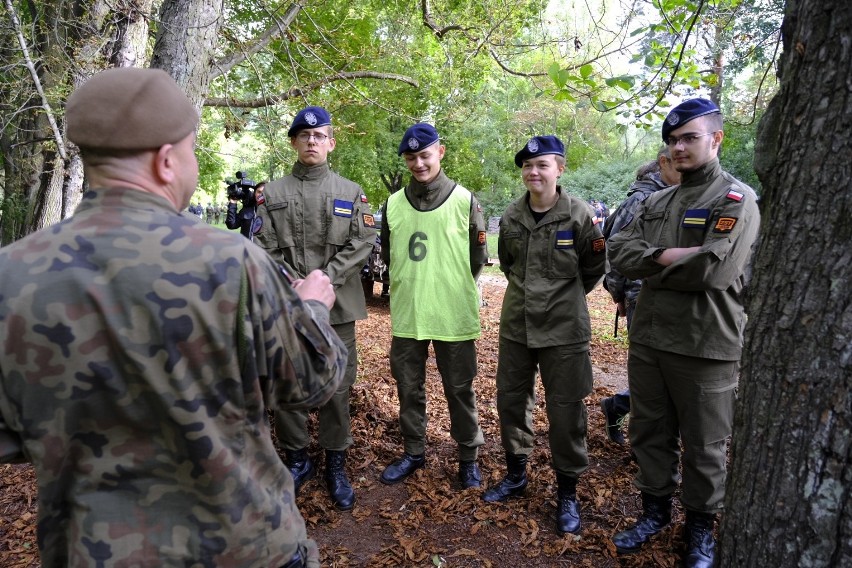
x=566, y=374
x=457, y=366
x=680, y=399
x=335, y=429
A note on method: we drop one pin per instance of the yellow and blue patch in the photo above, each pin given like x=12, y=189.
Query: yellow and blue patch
x=343, y=208
x=564, y=239
x=695, y=218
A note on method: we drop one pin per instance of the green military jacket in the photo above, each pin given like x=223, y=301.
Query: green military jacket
x=550, y=267
x=315, y=219
x=694, y=306
x=426, y=197
x=140, y=352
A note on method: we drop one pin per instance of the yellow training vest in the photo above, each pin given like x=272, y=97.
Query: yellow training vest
x=432, y=292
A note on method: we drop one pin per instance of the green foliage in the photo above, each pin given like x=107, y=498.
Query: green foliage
x=604, y=180
x=737, y=156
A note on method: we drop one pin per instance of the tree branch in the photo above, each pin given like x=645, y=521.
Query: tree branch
x=273, y=32
x=299, y=91
x=430, y=22
x=60, y=143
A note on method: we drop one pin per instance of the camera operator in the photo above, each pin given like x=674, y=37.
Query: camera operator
x=246, y=191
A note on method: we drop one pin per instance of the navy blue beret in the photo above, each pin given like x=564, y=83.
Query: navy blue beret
x=310, y=117
x=686, y=111
x=418, y=137
x=540, y=146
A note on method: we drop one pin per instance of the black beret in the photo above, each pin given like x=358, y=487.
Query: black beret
x=418, y=137
x=540, y=146
x=309, y=117
x=686, y=111
x=128, y=108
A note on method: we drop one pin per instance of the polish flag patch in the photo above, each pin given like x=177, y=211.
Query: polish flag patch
x=735, y=195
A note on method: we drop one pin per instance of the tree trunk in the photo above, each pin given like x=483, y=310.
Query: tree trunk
x=186, y=40
x=788, y=500
x=41, y=187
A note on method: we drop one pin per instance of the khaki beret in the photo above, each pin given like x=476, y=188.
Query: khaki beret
x=128, y=108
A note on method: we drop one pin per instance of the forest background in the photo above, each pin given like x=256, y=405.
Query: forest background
x=600, y=75
x=489, y=74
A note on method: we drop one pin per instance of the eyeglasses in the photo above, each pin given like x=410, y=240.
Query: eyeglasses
x=306, y=136
x=687, y=139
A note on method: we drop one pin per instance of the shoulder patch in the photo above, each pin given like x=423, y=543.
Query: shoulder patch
x=598, y=245
x=735, y=195
x=481, y=239
x=369, y=220
x=256, y=225
x=363, y=198
x=725, y=225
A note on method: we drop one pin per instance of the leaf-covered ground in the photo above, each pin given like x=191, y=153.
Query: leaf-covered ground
x=427, y=520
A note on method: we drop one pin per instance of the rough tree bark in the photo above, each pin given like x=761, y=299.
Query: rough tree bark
x=788, y=501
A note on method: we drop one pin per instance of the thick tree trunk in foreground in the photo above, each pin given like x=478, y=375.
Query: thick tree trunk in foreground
x=788, y=501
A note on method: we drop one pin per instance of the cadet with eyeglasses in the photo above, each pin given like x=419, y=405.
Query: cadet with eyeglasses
x=690, y=244
x=315, y=219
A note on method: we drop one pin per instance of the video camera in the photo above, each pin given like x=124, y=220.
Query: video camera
x=242, y=189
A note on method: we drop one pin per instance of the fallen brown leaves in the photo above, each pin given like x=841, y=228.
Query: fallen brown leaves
x=428, y=520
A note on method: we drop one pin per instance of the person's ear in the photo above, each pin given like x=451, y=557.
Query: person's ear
x=164, y=166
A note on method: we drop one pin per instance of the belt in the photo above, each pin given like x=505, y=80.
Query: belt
x=295, y=562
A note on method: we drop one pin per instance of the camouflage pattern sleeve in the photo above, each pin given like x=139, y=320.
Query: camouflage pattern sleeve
x=295, y=347
x=617, y=284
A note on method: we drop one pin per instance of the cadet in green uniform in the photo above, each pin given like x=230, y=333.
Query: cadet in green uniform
x=140, y=352
x=433, y=241
x=315, y=219
x=552, y=254
x=690, y=244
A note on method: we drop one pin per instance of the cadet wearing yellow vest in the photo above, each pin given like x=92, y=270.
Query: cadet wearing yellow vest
x=433, y=237
x=552, y=254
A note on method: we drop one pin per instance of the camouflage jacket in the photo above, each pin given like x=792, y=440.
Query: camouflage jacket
x=140, y=352
x=619, y=287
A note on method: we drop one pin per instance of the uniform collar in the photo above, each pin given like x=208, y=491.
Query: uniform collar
x=703, y=175
x=303, y=172
x=429, y=191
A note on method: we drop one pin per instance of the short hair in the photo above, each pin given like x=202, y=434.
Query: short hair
x=714, y=121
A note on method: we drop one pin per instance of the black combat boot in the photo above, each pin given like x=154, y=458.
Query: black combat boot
x=469, y=475
x=301, y=467
x=335, y=479
x=657, y=513
x=515, y=482
x=402, y=468
x=567, y=508
x=700, y=544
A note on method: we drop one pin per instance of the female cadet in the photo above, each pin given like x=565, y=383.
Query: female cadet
x=552, y=254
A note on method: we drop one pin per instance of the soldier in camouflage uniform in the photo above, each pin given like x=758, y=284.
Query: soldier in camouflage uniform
x=140, y=350
x=553, y=254
x=315, y=219
x=691, y=245
x=651, y=177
